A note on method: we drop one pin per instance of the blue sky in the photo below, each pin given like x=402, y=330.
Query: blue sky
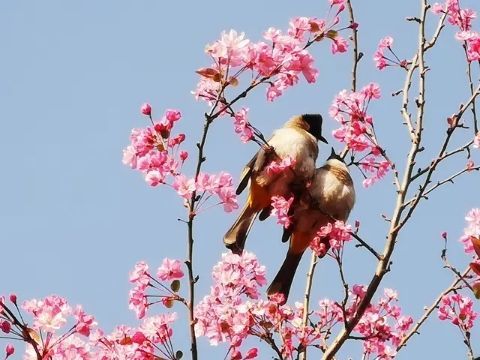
x=74, y=220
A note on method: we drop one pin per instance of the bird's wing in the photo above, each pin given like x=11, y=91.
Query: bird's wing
x=256, y=164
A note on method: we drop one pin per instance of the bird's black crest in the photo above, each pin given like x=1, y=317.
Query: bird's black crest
x=334, y=155
x=315, y=125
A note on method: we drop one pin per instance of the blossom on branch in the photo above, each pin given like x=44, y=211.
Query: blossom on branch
x=459, y=310
x=357, y=130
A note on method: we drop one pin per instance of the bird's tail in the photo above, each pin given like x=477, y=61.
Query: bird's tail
x=283, y=280
x=235, y=237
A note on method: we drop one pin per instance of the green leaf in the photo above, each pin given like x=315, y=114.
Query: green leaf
x=175, y=285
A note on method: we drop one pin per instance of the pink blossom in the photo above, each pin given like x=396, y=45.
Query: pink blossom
x=280, y=209
x=473, y=229
x=158, y=328
x=137, y=301
x=437, y=8
x=276, y=167
x=13, y=298
x=251, y=354
x=85, y=322
x=228, y=198
x=183, y=155
x=280, y=60
x=230, y=49
x=173, y=115
x=9, y=350
x=154, y=178
x=49, y=314
x=371, y=91
x=242, y=126
x=476, y=141
x=146, y=109
x=382, y=61
x=184, y=186
x=339, y=45
x=5, y=326
x=170, y=270
x=382, y=324
x=332, y=235
x=140, y=273
x=470, y=165
x=459, y=310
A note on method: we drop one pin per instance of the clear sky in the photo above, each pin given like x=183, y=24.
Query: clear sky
x=74, y=220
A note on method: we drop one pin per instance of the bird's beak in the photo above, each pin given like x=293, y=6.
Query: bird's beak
x=321, y=138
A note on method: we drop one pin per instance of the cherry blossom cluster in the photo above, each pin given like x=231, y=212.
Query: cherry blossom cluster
x=382, y=325
x=357, y=130
x=169, y=271
x=279, y=60
x=154, y=151
x=381, y=60
x=49, y=318
x=223, y=315
x=462, y=18
x=331, y=236
x=459, y=310
x=280, y=209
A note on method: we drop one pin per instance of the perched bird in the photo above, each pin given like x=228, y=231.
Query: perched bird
x=330, y=197
x=296, y=139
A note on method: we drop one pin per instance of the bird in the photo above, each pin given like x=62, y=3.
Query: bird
x=330, y=197
x=298, y=139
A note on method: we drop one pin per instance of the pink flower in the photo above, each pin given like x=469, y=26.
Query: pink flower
x=339, y=45
x=276, y=167
x=158, y=328
x=437, y=8
x=172, y=115
x=85, y=322
x=184, y=187
x=280, y=208
x=470, y=165
x=332, y=235
x=49, y=314
x=137, y=301
x=5, y=326
x=476, y=141
x=251, y=354
x=228, y=198
x=371, y=91
x=146, y=109
x=170, y=270
x=459, y=310
x=473, y=229
x=183, y=155
x=140, y=273
x=9, y=350
x=242, y=126
x=230, y=49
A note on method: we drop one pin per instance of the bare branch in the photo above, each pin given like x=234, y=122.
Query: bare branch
x=429, y=310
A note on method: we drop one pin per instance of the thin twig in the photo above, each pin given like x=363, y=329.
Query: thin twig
x=383, y=264
x=306, y=300
x=440, y=183
x=365, y=245
x=429, y=311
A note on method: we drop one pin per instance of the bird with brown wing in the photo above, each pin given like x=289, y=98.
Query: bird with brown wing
x=330, y=197
x=298, y=140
